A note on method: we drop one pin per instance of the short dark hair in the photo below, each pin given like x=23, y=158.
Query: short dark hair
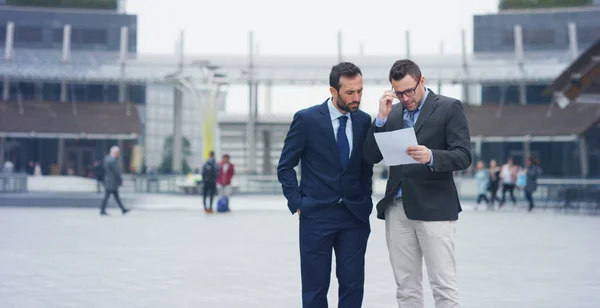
x=211, y=153
x=404, y=67
x=346, y=69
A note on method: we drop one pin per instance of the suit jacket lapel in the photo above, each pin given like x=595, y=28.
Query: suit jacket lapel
x=355, y=134
x=327, y=126
x=428, y=107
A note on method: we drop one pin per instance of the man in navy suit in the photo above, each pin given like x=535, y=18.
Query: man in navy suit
x=333, y=199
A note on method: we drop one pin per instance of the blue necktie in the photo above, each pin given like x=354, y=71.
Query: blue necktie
x=342, y=142
x=410, y=121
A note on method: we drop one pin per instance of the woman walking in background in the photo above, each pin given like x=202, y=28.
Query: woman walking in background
x=482, y=176
x=494, y=182
x=531, y=178
x=508, y=174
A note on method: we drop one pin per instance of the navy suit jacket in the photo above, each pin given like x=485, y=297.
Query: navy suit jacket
x=311, y=141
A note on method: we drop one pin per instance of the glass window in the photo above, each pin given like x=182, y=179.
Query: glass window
x=588, y=34
x=93, y=36
x=538, y=36
x=508, y=37
x=28, y=34
x=57, y=35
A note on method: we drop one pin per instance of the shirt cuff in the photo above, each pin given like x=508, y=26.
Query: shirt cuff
x=380, y=122
x=431, y=162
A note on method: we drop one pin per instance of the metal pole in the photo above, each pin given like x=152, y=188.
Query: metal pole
x=220, y=96
x=61, y=153
x=8, y=47
x=339, y=43
x=177, y=117
x=478, y=147
x=8, y=51
x=583, y=157
x=441, y=54
x=526, y=147
x=200, y=109
x=573, y=46
x=2, y=141
x=209, y=123
x=407, y=38
x=519, y=54
x=123, y=61
x=251, y=127
x=267, y=152
x=463, y=36
x=268, y=98
x=66, y=57
x=255, y=102
x=63, y=91
x=66, y=48
x=465, y=86
x=5, y=89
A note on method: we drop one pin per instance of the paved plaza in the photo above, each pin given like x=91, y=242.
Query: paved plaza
x=168, y=253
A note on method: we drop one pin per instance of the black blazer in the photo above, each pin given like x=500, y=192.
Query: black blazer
x=428, y=194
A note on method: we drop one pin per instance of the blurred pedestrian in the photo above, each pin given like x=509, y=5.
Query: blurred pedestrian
x=112, y=180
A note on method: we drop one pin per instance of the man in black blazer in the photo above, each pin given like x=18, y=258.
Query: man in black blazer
x=333, y=198
x=421, y=203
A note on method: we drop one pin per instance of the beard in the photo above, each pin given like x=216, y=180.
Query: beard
x=348, y=107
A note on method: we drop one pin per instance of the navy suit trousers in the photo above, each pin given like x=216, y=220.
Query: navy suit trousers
x=347, y=236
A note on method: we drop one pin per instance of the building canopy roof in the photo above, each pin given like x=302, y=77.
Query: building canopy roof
x=68, y=120
x=531, y=120
x=495, y=122
x=579, y=75
x=104, y=66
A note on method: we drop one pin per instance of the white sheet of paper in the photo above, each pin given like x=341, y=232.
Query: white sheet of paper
x=393, y=146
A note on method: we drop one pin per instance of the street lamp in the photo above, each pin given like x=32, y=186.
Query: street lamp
x=211, y=81
x=211, y=127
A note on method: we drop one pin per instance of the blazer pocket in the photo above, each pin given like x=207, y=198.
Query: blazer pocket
x=431, y=194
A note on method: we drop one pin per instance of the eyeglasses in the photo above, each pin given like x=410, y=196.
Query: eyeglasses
x=408, y=93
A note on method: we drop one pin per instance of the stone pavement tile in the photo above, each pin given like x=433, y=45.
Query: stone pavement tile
x=171, y=254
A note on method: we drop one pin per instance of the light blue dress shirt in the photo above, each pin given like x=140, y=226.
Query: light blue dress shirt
x=408, y=123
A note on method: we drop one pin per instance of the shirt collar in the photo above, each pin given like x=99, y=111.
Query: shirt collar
x=333, y=112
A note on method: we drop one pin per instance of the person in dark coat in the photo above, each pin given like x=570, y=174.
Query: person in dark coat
x=531, y=178
x=210, y=173
x=112, y=180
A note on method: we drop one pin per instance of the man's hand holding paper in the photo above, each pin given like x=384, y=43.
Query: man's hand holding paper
x=400, y=147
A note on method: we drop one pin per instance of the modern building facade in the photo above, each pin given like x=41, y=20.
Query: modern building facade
x=552, y=33
x=523, y=35
x=66, y=126
x=43, y=28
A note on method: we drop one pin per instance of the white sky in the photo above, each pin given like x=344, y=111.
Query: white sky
x=307, y=27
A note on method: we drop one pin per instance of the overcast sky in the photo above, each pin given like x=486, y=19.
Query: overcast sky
x=307, y=27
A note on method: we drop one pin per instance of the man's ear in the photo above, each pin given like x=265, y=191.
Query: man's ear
x=334, y=93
